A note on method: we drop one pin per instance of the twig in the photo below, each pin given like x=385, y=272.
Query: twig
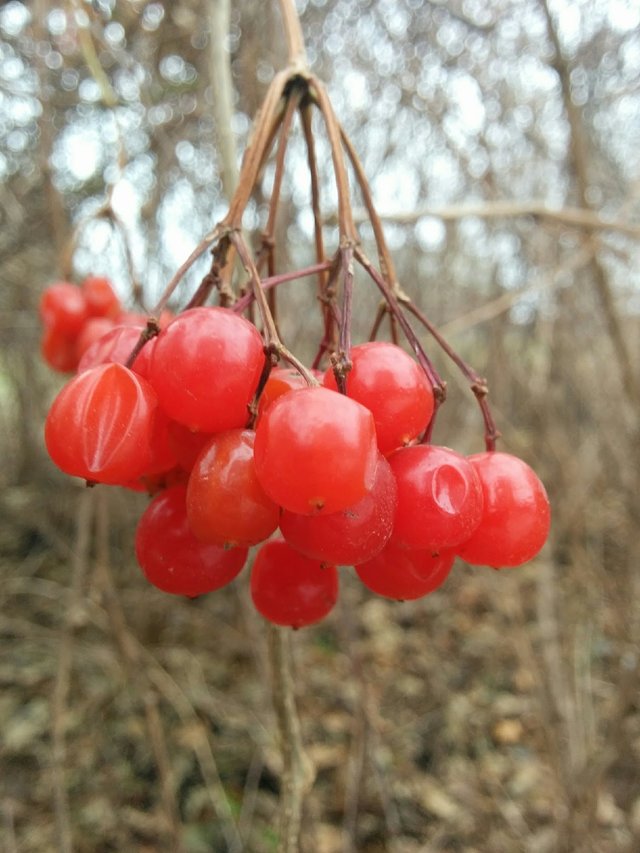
x=578, y=217
x=298, y=773
x=134, y=671
x=273, y=281
x=222, y=103
x=293, y=31
x=312, y=163
x=579, y=160
x=439, y=387
x=273, y=343
x=86, y=507
x=477, y=383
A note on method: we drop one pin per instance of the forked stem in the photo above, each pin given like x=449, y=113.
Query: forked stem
x=477, y=383
x=273, y=344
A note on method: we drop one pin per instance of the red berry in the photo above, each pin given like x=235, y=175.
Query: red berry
x=225, y=503
x=93, y=330
x=63, y=307
x=186, y=444
x=351, y=536
x=386, y=380
x=170, y=555
x=290, y=589
x=516, y=516
x=281, y=380
x=99, y=425
x=58, y=350
x=439, y=497
x=116, y=346
x=316, y=450
x=205, y=368
x=101, y=297
x=163, y=457
x=406, y=574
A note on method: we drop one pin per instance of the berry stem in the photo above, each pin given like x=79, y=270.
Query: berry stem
x=268, y=244
x=215, y=278
x=264, y=130
x=437, y=384
x=305, y=115
x=387, y=267
x=346, y=227
x=273, y=343
x=150, y=331
x=341, y=360
x=209, y=240
x=273, y=281
x=293, y=32
x=478, y=384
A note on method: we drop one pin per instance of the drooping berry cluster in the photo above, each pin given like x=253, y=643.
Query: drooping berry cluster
x=337, y=457
x=235, y=451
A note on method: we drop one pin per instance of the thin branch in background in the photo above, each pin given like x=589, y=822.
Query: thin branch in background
x=200, y=743
x=59, y=701
x=136, y=674
x=365, y=744
x=250, y=793
x=298, y=773
x=504, y=302
x=222, y=102
x=578, y=217
x=579, y=162
x=57, y=218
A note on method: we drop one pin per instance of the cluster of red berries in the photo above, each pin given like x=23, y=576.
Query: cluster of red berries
x=75, y=317
x=344, y=477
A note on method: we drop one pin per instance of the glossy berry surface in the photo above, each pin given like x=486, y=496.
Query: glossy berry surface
x=439, y=497
x=205, y=368
x=386, y=380
x=63, y=307
x=289, y=589
x=315, y=450
x=353, y=535
x=281, y=380
x=516, y=516
x=170, y=556
x=405, y=574
x=99, y=425
x=116, y=346
x=226, y=504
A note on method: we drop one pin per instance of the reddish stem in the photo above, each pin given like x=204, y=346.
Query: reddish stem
x=273, y=281
x=477, y=383
x=437, y=384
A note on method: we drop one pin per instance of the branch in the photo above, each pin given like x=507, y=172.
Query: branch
x=59, y=700
x=293, y=31
x=220, y=75
x=579, y=160
x=298, y=773
x=579, y=217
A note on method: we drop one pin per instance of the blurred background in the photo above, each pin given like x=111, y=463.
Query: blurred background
x=501, y=713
